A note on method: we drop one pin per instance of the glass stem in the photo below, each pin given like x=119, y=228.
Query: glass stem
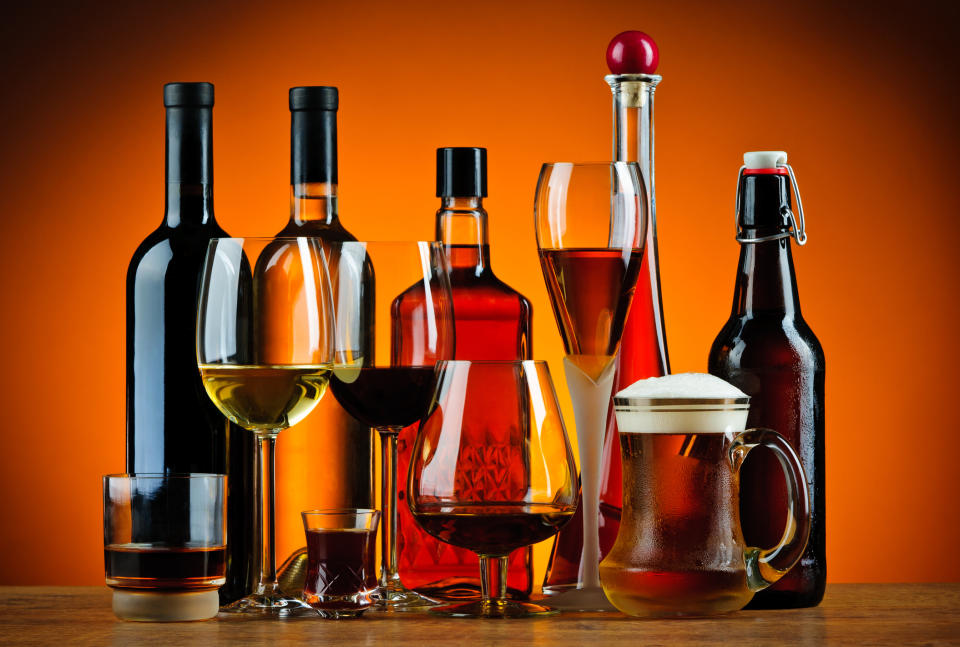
x=591, y=402
x=266, y=443
x=389, y=578
x=493, y=579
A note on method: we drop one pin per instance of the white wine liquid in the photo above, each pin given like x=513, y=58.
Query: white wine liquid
x=268, y=397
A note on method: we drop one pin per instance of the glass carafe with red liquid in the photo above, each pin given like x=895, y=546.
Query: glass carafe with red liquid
x=493, y=322
x=632, y=57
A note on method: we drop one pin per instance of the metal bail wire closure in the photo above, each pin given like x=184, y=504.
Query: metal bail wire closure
x=798, y=224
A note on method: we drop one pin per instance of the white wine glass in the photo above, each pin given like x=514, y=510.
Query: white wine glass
x=265, y=347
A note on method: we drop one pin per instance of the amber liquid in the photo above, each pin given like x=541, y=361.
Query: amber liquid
x=591, y=291
x=136, y=566
x=492, y=322
x=492, y=529
x=679, y=551
x=329, y=450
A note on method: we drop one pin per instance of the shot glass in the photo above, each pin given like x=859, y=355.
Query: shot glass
x=341, y=561
x=164, y=545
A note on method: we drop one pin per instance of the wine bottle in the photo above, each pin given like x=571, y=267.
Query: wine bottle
x=767, y=350
x=326, y=461
x=492, y=322
x=172, y=426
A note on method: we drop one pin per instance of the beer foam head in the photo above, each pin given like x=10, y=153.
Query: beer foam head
x=682, y=385
x=683, y=403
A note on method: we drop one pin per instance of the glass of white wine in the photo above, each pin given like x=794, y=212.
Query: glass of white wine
x=265, y=347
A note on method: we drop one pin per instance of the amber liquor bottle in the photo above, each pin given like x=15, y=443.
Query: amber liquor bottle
x=493, y=322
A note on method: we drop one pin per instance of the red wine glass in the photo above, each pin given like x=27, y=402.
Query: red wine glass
x=385, y=378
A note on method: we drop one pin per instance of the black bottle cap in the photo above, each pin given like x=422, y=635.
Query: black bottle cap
x=461, y=172
x=194, y=95
x=314, y=97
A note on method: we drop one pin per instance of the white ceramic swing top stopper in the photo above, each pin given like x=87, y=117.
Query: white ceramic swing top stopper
x=764, y=159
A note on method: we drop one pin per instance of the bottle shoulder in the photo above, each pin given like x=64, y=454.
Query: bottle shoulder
x=333, y=233
x=180, y=249
x=767, y=341
x=487, y=295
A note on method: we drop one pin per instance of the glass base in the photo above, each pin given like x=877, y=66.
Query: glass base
x=273, y=605
x=339, y=614
x=398, y=599
x=164, y=606
x=591, y=599
x=495, y=609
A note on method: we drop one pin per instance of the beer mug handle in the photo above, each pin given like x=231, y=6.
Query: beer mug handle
x=767, y=565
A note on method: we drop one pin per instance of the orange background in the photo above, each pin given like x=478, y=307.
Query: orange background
x=861, y=95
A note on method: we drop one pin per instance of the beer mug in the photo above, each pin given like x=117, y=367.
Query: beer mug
x=680, y=550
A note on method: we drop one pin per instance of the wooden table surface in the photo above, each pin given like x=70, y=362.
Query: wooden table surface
x=851, y=614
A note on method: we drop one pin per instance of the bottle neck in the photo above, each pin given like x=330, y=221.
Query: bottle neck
x=462, y=228
x=313, y=203
x=189, y=166
x=633, y=133
x=766, y=280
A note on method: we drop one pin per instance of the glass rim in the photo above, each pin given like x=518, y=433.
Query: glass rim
x=335, y=511
x=159, y=476
x=591, y=164
x=733, y=404
x=431, y=243
x=494, y=362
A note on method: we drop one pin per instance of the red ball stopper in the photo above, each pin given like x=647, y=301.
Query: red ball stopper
x=632, y=52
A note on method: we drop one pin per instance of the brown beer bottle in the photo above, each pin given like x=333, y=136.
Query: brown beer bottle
x=768, y=351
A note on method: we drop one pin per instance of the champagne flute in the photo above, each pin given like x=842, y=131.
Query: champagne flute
x=385, y=379
x=591, y=226
x=265, y=346
x=512, y=486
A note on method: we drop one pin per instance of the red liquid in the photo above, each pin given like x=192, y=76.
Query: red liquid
x=341, y=569
x=493, y=322
x=394, y=396
x=492, y=529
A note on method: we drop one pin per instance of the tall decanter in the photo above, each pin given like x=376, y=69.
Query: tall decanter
x=172, y=426
x=768, y=350
x=492, y=322
x=325, y=461
x=632, y=57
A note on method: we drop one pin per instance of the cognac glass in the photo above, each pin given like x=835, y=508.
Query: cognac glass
x=511, y=487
